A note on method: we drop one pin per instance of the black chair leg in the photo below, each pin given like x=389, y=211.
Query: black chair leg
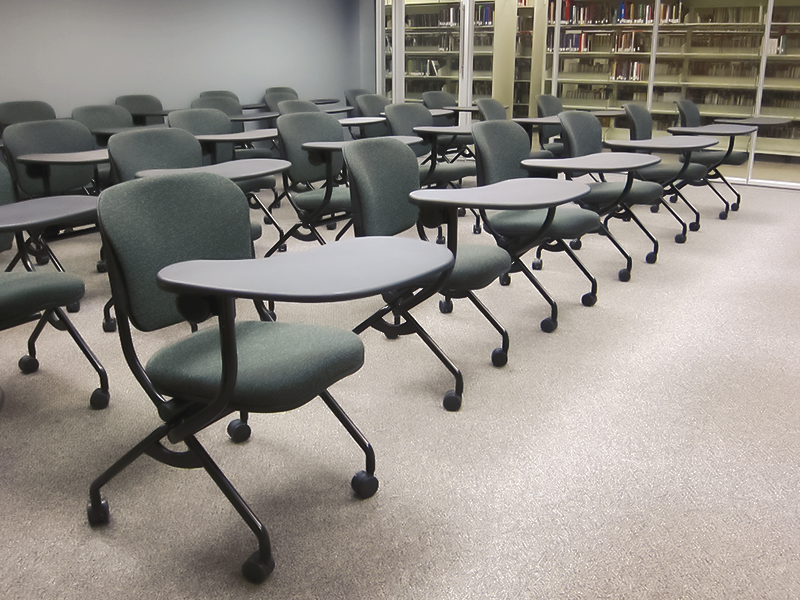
x=364, y=483
x=624, y=274
x=694, y=225
x=499, y=355
x=260, y=564
x=680, y=238
x=549, y=324
x=651, y=257
x=590, y=298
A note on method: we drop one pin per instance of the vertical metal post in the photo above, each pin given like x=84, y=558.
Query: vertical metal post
x=762, y=71
x=653, y=49
x=556, y=50
x=380, y=47
x=398, y=51
x=465, y=57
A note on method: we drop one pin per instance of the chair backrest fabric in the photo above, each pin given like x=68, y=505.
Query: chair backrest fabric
x=139, y=103
x=548, y=105
x=582, y=133
x=187, y=216
x=640, y=119
x=286, y=107
x=690, y=114
x=500, y=146
x=22, y=111
x=297, y=128
x=33, y=137
x=219, y=94
x=97, y=116
x=6, y=197
x=205, y=121
x=491, y=109
x=271, y=99
x=230, y=106
x=403, y=117
x=373, y=105
x=438, y=99
x=167, y=148
x=282, y=90
x=350, y=98
x=382, y=173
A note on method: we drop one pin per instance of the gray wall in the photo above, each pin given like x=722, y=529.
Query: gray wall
x=75, y=52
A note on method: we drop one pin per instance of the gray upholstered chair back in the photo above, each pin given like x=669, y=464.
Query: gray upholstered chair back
x=34, y=137
x=582, y=133
x=690, y=114
x=500, y=146
x=548, y=105
x=200, y=120
x=438, y=99
x=139, y=103
x=219, y=94
x=205, y=121
x=373, y=105
x=350, y=97
x=491, y=109
x=140, y=149
x=271, y=99
x=382, y=173
x=404, y=117
x=282, y=90
x=286, y=107
x=97, y=116
x=188, y=216
x=22, y=111
x=230, y=106
x=296, y=129
x=640, y=119
x=6, y=197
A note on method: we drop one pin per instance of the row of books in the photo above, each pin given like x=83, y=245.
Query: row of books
x=628, y=70
x=736, y=68
x=621, y=41
x=450, y=17
x=783, y=71
x=786, y=14
x=742, y=14
x=426, y=67
x=725, y=42
x=580, y=13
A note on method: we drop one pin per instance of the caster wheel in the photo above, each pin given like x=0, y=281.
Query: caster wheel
x=42, y=259
x=680, y=238
x=364, y=485
x=330, y=226
x=723, y=216
x=655, y=208
x=462, y=212
x=74, y=307
x=445, y=306
x=536, y=265
x=735, y=207
x=505, y=279
x=28, y=364
x=576, y=244
x=110, y=325
x=624, y=275
x=440, y=240
x=549, y=325
x=101, y=266
x=97, y=515
x=673, y=199
x=391, y=336
x=282, y=248
x=694, y=226
x=238, y=431
x=589, y=299
x=476, y=229
x=256, y=570
x=99, y=399
x=452, y=401
x=651, y=258
x=499, y=357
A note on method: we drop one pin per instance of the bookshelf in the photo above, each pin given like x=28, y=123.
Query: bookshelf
x=432, y=47
x=733, y=60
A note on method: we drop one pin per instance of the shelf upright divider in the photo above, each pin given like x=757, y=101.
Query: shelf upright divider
x=466, y=53
x=762, y=73
x=651, y=78
x=398, y=51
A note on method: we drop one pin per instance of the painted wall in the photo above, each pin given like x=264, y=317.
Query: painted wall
x=75, y=52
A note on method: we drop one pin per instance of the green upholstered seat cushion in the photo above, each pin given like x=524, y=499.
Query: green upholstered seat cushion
x=477, y=265
x=712, y=157
x=571, y=221
x=281, y=366
x=605, y=192
x=24, y=294
x=312, y=200
x=666, y=171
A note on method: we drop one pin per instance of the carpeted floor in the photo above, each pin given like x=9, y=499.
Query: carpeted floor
x=647, y=449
